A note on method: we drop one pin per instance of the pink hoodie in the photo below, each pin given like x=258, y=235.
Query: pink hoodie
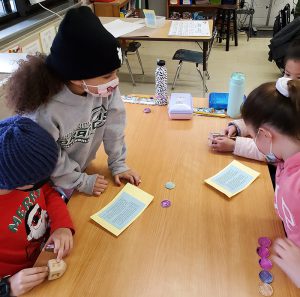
x=287, y=196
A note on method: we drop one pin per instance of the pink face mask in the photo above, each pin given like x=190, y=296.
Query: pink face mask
x=104, y=90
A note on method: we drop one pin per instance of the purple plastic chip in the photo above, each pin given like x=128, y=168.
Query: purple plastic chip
x=263, y=252
x=266, y=277
x=165, y=203
x=264, y=241
x=265, y=263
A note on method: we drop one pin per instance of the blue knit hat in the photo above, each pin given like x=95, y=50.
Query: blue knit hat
x=28, y=153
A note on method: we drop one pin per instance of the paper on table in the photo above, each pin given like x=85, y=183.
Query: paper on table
x=233, y=179
x=118, y=28
x=125, y=208
x=9, y=61
x=189, y=28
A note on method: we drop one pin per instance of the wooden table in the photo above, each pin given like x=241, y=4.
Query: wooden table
x=161, y=34
x=204, y=245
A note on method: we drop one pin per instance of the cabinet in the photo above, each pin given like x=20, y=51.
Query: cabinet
x=110, y=9
x=206, y=9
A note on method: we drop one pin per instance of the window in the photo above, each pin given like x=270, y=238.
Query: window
x=7, y=7
x=14, y=11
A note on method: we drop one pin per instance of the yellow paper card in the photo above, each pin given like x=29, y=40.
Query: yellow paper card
x=233, y=179
x=125, y=208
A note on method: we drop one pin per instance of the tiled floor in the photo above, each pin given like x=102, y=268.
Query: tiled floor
x=249, y=57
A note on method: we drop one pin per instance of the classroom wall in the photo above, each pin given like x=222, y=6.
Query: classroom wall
x=261, y=12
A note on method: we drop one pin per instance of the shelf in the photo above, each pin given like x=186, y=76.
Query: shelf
x=213, y=6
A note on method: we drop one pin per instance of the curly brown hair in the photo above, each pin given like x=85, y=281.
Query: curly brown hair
x=31, y=85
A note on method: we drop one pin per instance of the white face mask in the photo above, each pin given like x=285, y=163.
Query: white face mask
x=270, y=156
x=104, y=90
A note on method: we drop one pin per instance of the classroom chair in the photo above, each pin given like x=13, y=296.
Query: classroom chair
x=183, y=55
x=132, y=47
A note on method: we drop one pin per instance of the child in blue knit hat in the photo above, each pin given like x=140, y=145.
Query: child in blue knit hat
x=32, y=214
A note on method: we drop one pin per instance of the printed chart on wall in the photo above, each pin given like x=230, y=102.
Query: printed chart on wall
x=47, y=37
x=233, y=179
x=32, y=48
x=125, y=208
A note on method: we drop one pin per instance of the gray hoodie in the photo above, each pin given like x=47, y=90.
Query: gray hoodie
x=79, y=124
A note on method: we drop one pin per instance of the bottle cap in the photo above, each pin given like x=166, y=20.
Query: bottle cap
x=161, y=62
x=238, y=77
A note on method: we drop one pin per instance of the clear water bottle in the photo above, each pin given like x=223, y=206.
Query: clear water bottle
x=161, y=83
x=236, y=94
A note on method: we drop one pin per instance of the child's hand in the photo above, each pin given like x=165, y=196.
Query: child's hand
x=223, y=144
x=287, y=257
x=100, y=185
x=230, y=131
x=63, y=242
x=129, y=175
x=26, y=279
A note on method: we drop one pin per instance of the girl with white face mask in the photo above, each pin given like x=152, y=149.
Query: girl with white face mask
x=272, y=116
x=73, y=93
x=244, y=146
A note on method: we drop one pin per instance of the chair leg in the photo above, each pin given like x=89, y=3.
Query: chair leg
x=140, y=61
x=207, y=75
x=199, y=71
x=129, y=69
x=179, y=69
x=176, y=74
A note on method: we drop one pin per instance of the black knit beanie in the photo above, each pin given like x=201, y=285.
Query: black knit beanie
x=83, y=48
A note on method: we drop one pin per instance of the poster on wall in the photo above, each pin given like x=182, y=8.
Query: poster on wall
x=32, y=48
x=47, y=37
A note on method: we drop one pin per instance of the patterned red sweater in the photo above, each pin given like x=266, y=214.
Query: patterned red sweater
x=26, y=220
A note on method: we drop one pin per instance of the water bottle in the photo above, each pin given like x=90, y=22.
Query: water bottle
x=161, y=83
x=236, y=94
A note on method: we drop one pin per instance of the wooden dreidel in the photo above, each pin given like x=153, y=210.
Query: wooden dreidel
x=56, y=269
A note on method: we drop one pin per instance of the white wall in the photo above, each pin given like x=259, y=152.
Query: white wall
x=261, y=12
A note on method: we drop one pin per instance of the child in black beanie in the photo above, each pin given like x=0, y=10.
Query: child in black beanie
x=73, y=93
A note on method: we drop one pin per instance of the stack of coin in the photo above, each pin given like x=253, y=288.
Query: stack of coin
x=265, y=263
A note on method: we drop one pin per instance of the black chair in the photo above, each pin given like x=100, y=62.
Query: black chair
x=183, y=55
x=132, y=47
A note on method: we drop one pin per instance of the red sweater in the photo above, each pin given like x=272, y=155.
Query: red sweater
x=26, y=220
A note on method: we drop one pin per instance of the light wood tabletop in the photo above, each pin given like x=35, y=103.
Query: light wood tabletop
x=204, y=245
x=156, y=34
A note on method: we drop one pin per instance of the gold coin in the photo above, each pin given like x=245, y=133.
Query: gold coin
x=265, y=289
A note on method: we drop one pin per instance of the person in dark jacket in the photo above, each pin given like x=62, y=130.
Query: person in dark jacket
x=281, y=41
